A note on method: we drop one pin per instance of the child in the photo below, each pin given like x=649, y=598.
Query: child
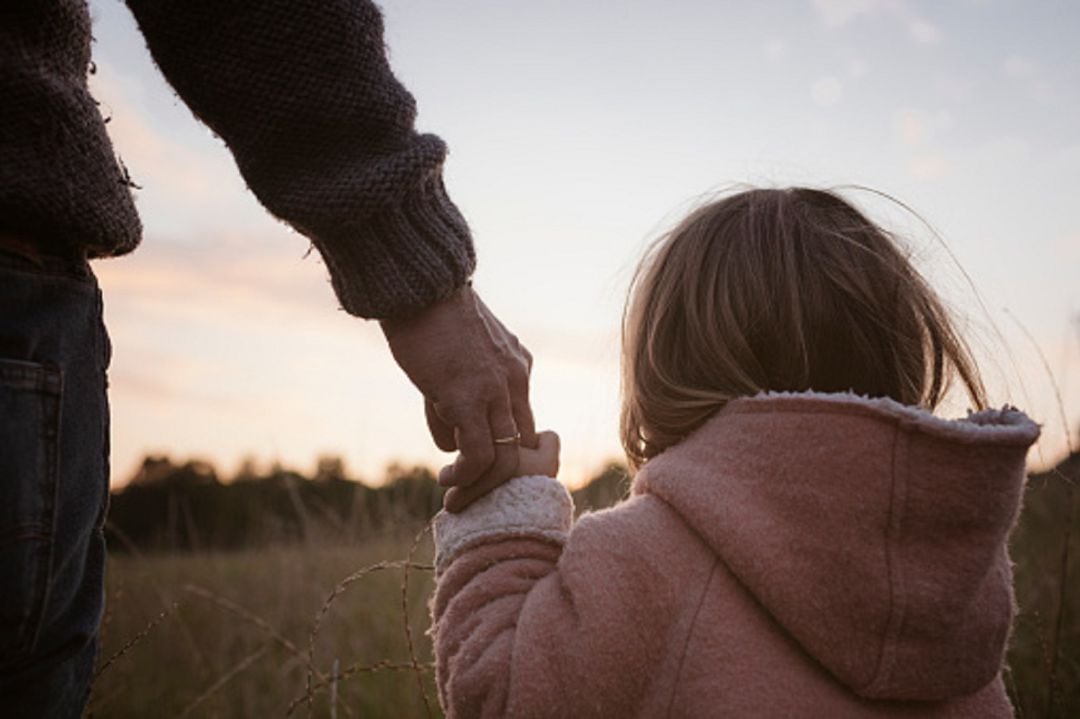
x=804, y=538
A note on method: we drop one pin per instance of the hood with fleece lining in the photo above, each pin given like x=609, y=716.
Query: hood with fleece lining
x=874, y=533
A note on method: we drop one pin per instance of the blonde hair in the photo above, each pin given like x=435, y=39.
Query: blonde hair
x=782, y=290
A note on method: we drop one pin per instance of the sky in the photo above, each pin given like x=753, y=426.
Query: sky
x=578, y=133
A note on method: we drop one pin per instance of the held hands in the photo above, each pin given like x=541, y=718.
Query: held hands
x=474, y=374
x=543, y=460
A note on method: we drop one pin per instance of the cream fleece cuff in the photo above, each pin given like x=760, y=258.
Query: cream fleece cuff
x=526, y=507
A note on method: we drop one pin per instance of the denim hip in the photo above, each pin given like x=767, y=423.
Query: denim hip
x=54, y=477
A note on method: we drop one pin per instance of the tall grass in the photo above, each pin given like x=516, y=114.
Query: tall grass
x=332, y=626
x=1044, y=651
x=258, y=633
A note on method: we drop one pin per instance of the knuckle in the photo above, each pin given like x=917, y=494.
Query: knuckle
x=519, y=378
x=499, y=382
x=486, y=385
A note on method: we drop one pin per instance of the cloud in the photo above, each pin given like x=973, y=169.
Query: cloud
x=916, y=130
x=928, y=166
x=911, y=127
x=775, y=49
x=1025, y=70
x=954, y=87
x=837, y=14
x=1068, y=246
x=166, y=380
x=944, y=120
x=1069, y=157
x=924, y=31
x=826, y=91
x=1010, y=151
x=1019, y=67
x=189, y=184
x=249, y=276
x=858, y=68
x=914, y=127
x=145, y=150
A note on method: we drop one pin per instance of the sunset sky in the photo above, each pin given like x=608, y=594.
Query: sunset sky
x=579, y=131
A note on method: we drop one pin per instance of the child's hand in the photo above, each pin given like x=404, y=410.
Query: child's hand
x=543, y=460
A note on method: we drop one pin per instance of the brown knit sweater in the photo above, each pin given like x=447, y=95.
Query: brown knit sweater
x=299, y=90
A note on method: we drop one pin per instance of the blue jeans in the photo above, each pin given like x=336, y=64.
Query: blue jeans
x=54, y=482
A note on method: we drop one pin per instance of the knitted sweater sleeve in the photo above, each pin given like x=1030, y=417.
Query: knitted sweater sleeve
x=322, y=132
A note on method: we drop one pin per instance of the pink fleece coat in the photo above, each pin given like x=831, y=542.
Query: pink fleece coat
x=798, y=556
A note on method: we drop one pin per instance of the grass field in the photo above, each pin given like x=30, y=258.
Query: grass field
x=227, y=634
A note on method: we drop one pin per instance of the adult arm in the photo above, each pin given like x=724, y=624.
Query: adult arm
x=322, y=132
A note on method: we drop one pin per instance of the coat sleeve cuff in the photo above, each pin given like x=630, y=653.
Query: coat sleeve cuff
x=535, y=507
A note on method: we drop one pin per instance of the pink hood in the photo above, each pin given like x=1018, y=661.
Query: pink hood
x=873, y=533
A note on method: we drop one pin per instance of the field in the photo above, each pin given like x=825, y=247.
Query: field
x=1044, y=652
x=216, y=633
x=226, y=634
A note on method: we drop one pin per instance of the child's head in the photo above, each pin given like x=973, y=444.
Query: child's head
x=778, y=290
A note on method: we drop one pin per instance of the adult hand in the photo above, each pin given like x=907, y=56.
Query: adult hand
x=474, y=375
x=543, y=460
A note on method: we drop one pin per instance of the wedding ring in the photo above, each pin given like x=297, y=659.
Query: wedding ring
x=508, y=440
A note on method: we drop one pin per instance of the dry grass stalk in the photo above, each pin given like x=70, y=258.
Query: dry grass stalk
x=131, y=643
x=254, y=619
x=235, y=609
x=337, y=591
x=1054, y=685
x=223, y=680
x=333, y=688
x=1010, y=686
x=178, y=620
x=384, y=665
x=405, y=617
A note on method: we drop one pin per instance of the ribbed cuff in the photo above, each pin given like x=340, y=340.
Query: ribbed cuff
x=526, y=507
x=402, y=259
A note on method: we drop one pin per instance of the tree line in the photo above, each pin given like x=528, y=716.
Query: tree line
x=188, y=506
